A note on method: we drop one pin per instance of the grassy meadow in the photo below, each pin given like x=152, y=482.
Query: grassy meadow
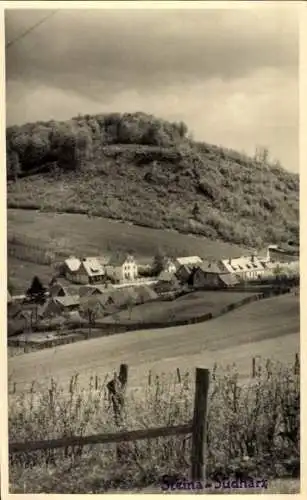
x=183, y=308
x=76, y=233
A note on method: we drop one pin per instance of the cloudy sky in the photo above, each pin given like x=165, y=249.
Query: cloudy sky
x=231, y=75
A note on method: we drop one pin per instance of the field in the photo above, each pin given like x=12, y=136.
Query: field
x=189, y=306
x=74, y=233
x=269, y=328
x=21, y=274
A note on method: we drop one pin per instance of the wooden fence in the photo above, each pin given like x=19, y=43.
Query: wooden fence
x=255, y=369
x=117, y=387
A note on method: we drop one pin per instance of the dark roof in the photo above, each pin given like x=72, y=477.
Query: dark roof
x=211, y=267
x=69, y=300
x=185, y=267
x=229, y=279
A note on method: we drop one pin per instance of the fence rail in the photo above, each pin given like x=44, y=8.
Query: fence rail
x=112, y=437
x=117, y=388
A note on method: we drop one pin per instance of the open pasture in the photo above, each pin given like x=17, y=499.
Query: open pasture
x=21, y=274
x=74, y=233
x=189, y=306
x=269, y=328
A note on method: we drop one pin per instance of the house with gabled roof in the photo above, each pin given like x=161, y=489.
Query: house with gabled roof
x=99, y=289
x=212, y=275
x=55, y=306
x=183, y=273
x=245, y=268
x=283, y=254
x=60, y=290
x=166, y=282
x=85, y=270
x=122, y=268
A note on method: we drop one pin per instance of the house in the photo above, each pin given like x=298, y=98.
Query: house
x=60, y=290
x=183, y=273
x=102, y=304
x=122, y=268
x=191, y=261
x=244, y=268
x=169, y=265
x=145, y=294
x=212, y=275
x=73, y=271
x=89, y=290
x=56, y=306
x=166, y=282
x=285, y=254
x=86, y=270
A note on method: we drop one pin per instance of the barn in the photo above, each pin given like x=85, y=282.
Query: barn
x=212, y=275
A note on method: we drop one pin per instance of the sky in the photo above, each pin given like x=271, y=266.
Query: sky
x=230, y=75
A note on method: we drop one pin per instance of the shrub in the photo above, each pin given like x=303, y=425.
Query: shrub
x=253, y=430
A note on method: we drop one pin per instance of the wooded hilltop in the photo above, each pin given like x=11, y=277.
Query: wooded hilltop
x=139, y=168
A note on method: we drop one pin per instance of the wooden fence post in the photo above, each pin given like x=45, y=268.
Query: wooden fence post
x=199, y=425
x=296, y=364
x=117, y=387
x=178, y=375
x=254, y=368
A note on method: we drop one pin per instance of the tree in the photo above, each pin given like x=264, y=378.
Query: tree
x=130, y=304
x=37, y=291
x=261, y=154
x=90, y=310
x=158, y=263
x=13, y=165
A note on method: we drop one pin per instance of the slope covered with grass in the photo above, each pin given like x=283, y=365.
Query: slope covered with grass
x=138, y=168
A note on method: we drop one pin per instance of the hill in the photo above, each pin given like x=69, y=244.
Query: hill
x=138, y=168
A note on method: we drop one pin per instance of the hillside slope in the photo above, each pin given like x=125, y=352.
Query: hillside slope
x=138, y=168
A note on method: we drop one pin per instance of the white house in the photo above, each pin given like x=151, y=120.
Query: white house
x=245, y=268
x=122, y=268
x=169, y=266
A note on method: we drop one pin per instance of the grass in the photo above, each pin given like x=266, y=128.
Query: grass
x=269, y=328
x=253, y=431
x=73, y=233
x=21, y=273
x=187, y=307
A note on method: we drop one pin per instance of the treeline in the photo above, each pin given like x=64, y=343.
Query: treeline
x=68, y=145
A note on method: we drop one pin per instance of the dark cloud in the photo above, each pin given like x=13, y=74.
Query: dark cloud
x=232, y=74
x=141, y=47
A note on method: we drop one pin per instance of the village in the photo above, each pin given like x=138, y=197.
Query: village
x=88, y=289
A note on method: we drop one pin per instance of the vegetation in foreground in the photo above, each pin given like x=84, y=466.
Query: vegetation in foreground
x=138, y=168
x=253, y=430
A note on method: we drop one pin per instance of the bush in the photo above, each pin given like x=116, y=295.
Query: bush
x=253, y=430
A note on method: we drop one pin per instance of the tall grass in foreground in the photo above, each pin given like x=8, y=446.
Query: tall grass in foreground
x=253, y=430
